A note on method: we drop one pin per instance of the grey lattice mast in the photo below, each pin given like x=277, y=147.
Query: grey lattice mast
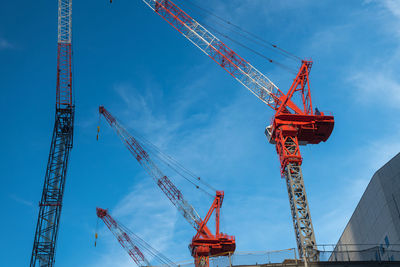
x=50, y=205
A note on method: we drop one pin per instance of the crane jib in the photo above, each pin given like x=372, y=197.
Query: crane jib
x=240, y=69
x=163, y=182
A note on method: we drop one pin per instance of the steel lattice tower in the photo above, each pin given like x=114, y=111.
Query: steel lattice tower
x=50, y=205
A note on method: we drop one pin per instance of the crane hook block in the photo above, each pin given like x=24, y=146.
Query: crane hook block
x=97, y=136
x=95, y=239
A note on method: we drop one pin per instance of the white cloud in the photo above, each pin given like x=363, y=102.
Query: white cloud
x=21, y=201
x=388, y=11
x=336, y=213
x=160, y=124
x=376, y=81
x=145, y=212
x=364, y=162
x=393, y=6
x=146, y=209
x=376, y=87
x=382, y=150
x=140, y=107
x=4, y=44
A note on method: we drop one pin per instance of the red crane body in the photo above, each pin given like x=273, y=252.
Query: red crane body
x=292, y=126
x=204, y=243
x=301, y=128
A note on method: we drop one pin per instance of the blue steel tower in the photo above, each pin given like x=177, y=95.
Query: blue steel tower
x=44, y=246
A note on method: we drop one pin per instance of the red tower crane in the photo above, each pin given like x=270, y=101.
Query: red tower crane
x=293, y=124
x=44, y=245
x=204, y=243
x=133, y=244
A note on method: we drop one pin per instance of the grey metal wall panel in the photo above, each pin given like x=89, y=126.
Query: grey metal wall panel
x=376, y=218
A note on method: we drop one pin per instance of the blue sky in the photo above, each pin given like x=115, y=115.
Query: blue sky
x=155, y=81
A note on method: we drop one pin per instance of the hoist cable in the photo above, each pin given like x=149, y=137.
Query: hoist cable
x=173, y=164
x=145, y=247
x=283, y=66
x=285, y=52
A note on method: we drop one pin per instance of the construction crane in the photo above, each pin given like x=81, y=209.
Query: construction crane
x=293, y=124
x=50, y=205
x=133, y=244
x=204, y=244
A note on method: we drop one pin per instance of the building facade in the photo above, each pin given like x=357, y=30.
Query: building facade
x=373, y=231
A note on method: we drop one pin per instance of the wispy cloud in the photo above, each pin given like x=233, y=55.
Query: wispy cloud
x=148, y=210
x=382, y=149
x=5, y=44
x=161, y=124
x=393, y=6
x=21, y=201
x=358, y=168
x=140, y=106
x=334, y=215
x=148, y=214
x=376, y=87
x=376, y=81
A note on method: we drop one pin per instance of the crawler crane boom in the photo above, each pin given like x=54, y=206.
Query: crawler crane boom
x=44, y=245
x=293, y=124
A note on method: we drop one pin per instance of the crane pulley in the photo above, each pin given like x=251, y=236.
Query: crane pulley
x=204, y=243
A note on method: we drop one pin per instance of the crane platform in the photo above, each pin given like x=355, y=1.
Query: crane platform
x=310, y=129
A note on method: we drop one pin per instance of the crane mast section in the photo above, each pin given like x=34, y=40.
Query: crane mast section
x=64, y=59
x=64, y=21
x=240, y=69
x=302, y=223
x=163, y=182
x=287, y=147
x=64, y=100
x=50, y=205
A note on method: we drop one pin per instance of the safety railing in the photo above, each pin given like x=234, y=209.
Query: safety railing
x=248, y=258
x=342, y=252
x=360, y=252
